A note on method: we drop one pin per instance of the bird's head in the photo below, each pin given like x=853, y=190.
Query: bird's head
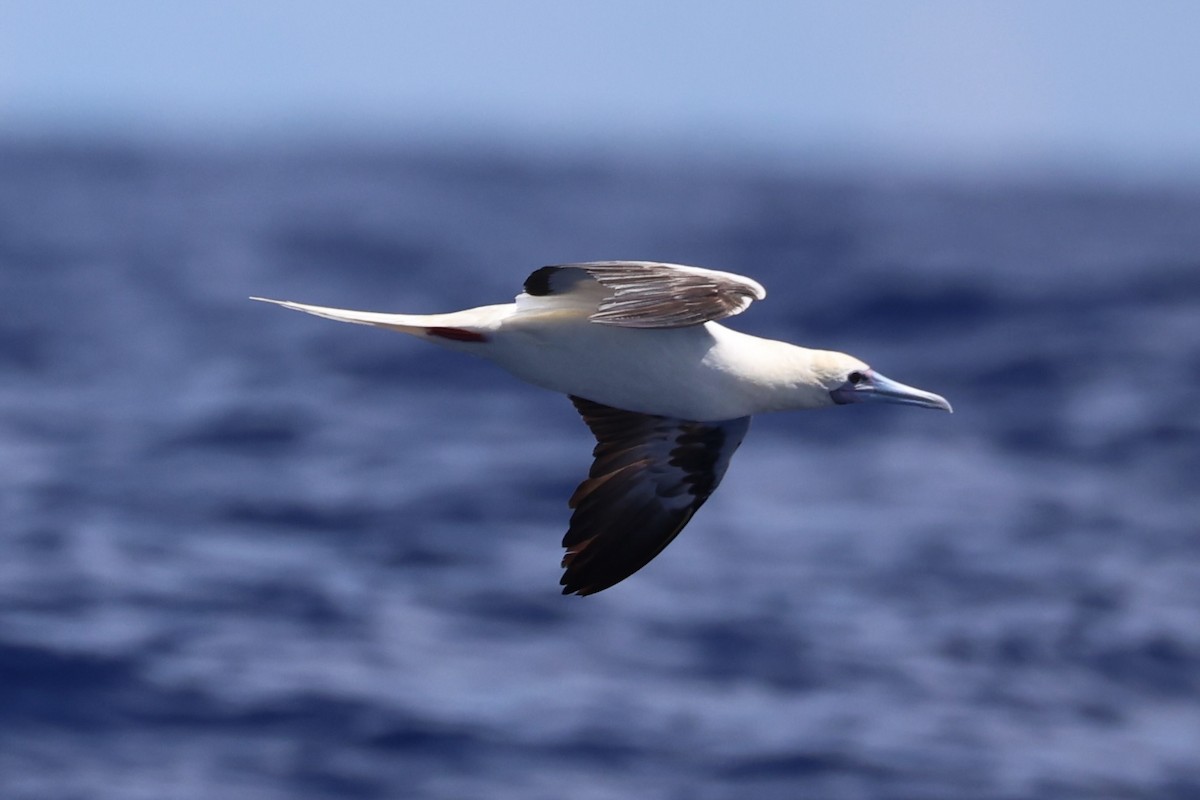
x=849, y=380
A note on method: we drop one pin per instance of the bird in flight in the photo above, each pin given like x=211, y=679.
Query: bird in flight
x=667, y=391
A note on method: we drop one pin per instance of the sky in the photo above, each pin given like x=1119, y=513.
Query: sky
x=1111, y=83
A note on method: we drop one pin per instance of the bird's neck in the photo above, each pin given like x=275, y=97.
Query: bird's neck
x=781, y=376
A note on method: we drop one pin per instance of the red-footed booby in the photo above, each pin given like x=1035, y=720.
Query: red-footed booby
x=666, y=390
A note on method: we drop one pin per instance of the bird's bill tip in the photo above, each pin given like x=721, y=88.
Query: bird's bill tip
x=881, y=389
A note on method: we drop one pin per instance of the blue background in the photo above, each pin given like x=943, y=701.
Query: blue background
x=250, y=554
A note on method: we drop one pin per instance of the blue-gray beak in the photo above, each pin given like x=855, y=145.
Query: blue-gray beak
x=869, y=386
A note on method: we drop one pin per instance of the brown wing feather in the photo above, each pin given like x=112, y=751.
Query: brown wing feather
x=649, y=477
x=647, y=294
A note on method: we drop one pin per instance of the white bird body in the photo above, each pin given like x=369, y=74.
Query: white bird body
x=703, y=372
x=667, y=390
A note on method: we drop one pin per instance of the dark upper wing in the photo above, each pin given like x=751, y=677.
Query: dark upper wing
x=649, y=476
x=646, y=294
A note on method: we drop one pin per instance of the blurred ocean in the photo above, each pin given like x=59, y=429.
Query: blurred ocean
x=251, y=554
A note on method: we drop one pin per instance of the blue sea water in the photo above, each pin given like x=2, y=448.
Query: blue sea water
x=251, y=554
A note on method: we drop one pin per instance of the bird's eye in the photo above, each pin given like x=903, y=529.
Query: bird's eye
x=856, y=377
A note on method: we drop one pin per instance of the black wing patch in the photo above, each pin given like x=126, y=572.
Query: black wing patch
x=647, y=294
x=649, y=477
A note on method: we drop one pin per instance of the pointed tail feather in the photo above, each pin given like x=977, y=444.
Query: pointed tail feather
x=405, y=323
x=456, y=330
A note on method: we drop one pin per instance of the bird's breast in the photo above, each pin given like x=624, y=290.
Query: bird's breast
x=685, y=373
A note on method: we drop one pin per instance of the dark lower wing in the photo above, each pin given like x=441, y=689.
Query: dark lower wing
x=649, y=476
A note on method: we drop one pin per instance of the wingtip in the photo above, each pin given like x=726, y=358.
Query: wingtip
x=580, y=591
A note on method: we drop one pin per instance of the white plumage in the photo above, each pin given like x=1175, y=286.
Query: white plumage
x=667, y=390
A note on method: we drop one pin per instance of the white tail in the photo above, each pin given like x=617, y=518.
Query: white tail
x=471, y=326
x=405, y=323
